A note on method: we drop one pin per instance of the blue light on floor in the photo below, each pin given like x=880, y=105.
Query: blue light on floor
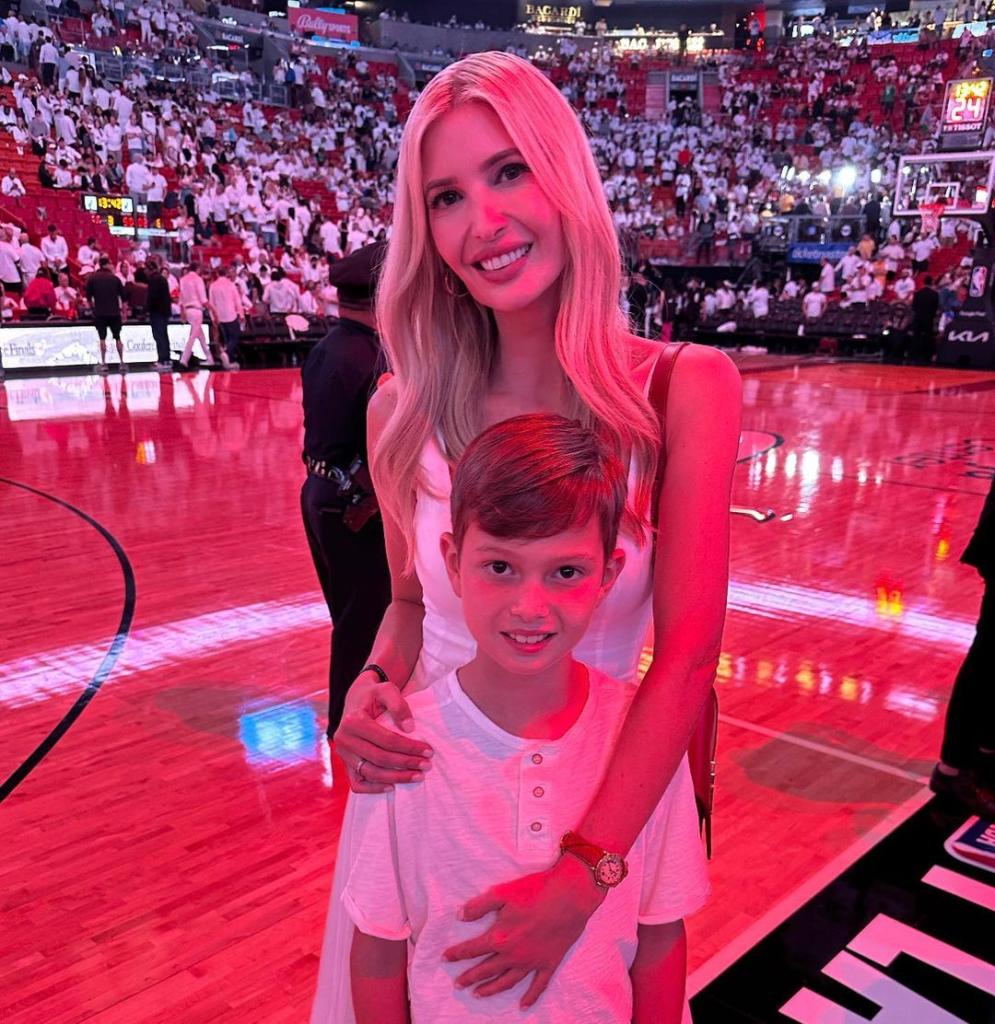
x=285, y=734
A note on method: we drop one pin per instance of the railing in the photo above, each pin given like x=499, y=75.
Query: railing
x=116, y=67
x=836, y=228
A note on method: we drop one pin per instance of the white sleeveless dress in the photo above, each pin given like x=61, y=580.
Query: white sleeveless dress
x=613, y=644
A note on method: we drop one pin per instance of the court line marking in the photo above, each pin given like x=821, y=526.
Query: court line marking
x=781, y=911
x=926, y=487
x=953, y=882
x=35, y=676
x=822, y=748
x=108, y=660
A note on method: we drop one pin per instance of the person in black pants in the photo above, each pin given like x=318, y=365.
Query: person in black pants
x=966, y=769
x=160, y=308
x=925, y=306
x=344, y=530
x=105, y=292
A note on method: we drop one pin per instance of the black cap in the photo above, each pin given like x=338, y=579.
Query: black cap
x=355, y=276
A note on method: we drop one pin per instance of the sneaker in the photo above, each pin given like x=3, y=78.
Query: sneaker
x=103, y=368
x=234, y=366
x=182, y=367
x=162, y=367
x=965, y=789
x=123, y=368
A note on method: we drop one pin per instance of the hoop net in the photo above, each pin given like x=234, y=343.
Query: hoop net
x=930, y=213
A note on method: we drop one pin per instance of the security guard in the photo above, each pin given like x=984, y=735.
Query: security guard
x=344, y=528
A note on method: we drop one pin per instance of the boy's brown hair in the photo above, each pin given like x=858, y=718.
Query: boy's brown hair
x=535, y=476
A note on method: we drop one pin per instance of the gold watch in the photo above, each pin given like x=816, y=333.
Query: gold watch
x=608, y=868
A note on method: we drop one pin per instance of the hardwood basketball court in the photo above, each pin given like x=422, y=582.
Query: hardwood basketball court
x=169, y=815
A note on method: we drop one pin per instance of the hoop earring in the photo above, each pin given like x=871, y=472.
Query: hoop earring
x=449, y=280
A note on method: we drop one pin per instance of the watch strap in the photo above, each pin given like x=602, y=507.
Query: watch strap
x=576, y=844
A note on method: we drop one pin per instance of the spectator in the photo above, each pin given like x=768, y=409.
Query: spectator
x=758, y=298
x=228, y=312
x=905, y=286
x=922, y=248
x=55, y=249
x=814, y=304
x=155, y=196
x=281, y=294
x=48, y=59
x=893, y=253
x=39, y=296
x=193, y=301
x=66, y=298
x=31, y=257
x=87, y=256
x=827, y=277
x=11, y=186
x=10, y=256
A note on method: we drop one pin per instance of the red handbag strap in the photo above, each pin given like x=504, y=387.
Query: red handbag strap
x=659, y=390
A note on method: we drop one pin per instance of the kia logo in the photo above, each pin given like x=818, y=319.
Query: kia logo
x=969, y=337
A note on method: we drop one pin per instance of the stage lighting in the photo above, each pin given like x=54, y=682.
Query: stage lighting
x=876, y=176
x=847, y=176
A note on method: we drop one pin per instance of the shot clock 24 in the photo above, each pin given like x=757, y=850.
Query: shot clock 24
x=965, y=112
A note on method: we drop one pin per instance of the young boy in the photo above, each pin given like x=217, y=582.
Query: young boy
x=522, y=736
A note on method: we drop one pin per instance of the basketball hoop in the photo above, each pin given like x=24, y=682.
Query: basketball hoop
x=930, y=213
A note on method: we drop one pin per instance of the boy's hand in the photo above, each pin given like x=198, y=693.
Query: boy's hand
x=539, y=917
x=377, y=757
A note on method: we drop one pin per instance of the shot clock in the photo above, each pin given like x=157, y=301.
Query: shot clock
x=965, y=112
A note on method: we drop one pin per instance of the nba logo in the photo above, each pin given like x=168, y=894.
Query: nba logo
x=979, y=277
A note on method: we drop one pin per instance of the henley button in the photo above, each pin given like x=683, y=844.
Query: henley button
x=537, y=758
x=536, y=826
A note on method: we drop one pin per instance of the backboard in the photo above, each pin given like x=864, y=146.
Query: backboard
x=962, y=182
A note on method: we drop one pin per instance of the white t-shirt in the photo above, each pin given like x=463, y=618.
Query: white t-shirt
x=904, y=287
x=827, y=279
x=9, y=255
x=55, y=250
x=501, y=804
x=814, y=304
x=922, y=248
x=759, y=299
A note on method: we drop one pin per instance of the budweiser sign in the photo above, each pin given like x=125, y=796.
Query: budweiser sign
x=316, y=21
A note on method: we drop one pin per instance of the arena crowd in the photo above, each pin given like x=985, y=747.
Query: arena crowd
x=279, y=193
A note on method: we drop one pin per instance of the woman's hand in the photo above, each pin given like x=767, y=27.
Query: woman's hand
x=539, y=918
x=378, y=757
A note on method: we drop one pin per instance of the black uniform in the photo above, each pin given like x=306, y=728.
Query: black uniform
x=339, y=377
x=925, y=306
x=160, y=308
x=970, y=723
x=105, y=291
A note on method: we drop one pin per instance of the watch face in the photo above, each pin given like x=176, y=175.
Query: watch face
x=611, y=870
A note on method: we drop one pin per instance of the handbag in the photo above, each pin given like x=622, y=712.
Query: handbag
x=701, y=750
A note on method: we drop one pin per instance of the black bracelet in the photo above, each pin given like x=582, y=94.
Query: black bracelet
x=376, y=670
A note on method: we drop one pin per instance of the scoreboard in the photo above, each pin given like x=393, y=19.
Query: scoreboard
x=117, y=212
x=965, y=113
x=124, y=217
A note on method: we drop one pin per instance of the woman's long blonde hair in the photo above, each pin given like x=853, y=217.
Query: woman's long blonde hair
x=442, y=346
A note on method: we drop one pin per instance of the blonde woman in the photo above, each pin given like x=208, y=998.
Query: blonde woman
x=500, y=296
